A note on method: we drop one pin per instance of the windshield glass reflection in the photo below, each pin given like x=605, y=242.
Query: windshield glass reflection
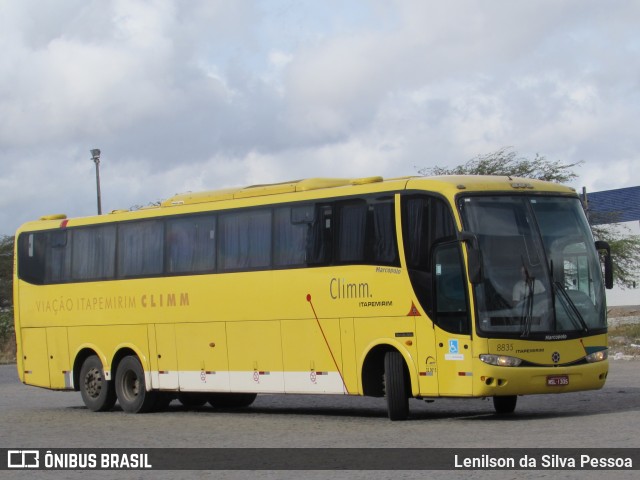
x=541, y=272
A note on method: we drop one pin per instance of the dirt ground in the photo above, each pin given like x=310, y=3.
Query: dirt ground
x=624, y=311
x=624, y=332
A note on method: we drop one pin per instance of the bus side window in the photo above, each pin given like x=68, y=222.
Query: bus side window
x=426, y=222
x=319, y=237
x=290, y=227
x=191, y=244
x=140, y=248
x=93, y=253
x=31, y=257
x=416, y=232
x=352, y=232
x=451, y=298
x=244, y=241
x=58, y=257
x=382, y=248
x=442, y=225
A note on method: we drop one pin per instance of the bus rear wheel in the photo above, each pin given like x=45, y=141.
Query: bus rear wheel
x=97, y=393
x=131, y=388
x=231, y=400
x=505, y=405
x=396, y=386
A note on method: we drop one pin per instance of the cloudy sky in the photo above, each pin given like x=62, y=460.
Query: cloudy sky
x=193, y=95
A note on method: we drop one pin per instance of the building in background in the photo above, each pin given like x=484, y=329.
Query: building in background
x=620, y=207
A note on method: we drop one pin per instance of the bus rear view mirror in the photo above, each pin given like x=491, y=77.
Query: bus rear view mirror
x=475, y=265
x=608, y=263
x=474, y=257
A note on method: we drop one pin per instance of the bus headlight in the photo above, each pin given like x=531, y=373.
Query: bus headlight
x=501, y=360
x=597, y=356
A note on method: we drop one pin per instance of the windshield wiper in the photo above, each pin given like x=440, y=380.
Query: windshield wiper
x=572, y=311
x=527, y=304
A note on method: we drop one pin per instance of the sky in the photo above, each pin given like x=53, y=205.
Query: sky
x=206, y=94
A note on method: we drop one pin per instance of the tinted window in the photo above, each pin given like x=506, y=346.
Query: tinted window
x=245, y=240
x=31, y=257
x=319, y=238
x=451, y=298
x=366, y=232
x=358, y=231
x=191, y=244
x=140, y=248
x=383, y=246
x=58, y=257
x=352, y=232
x=93, y=253
x=426, y=221
x=289, y=238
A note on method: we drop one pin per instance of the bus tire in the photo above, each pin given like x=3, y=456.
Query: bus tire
x=98, y=394
x=395, y=386
x=505, y=405
x=231, y=400
x=131, y=387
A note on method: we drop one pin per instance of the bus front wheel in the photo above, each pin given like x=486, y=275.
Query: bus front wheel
x=395, y=386
x=97, y=393
x=505, y=405
x=131, y=387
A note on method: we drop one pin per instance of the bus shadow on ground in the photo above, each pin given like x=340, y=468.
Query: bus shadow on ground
x=529, y=408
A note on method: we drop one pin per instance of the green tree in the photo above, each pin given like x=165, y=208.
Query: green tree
x=625, y=252
x=6, y=271
x=625, y=247
x=506, y=162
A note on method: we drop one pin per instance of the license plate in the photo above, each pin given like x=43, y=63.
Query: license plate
x=557, y=380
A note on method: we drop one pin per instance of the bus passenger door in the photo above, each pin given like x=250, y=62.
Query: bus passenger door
x=453, y=325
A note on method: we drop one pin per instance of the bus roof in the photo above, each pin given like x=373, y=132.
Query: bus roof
x=448, y=185
x=457, y=182
x=268, y=189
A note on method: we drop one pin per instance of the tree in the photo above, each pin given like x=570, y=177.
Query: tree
x=506, y=162
x=6, y=271
x=625, y=247
x=625, y=252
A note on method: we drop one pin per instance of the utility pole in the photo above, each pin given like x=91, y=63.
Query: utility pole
x=95, y=156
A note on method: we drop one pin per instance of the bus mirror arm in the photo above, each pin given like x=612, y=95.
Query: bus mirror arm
x=608, y=263
x=474, y=256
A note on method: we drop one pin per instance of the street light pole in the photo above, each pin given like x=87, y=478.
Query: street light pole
x=95, y=156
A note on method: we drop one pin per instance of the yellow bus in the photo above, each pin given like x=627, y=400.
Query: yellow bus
x=402, y=288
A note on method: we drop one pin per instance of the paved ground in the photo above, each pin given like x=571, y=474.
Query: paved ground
x=32, y=417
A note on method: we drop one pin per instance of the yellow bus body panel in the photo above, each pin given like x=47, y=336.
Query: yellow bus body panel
x=35, y=362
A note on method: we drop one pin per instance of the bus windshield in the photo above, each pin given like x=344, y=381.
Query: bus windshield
x=542, y=276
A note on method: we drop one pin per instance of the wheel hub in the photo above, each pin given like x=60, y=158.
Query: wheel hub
x=93, y=382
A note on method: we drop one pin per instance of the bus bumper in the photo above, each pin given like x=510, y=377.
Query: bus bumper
x=490, y=380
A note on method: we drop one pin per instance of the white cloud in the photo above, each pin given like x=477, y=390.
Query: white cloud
x=207, y=94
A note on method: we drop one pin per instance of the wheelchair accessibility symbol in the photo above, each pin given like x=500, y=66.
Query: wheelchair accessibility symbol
x=453, y=346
